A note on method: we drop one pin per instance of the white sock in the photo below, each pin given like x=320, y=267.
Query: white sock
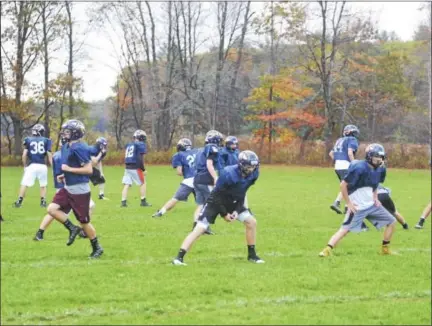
x=162, y=210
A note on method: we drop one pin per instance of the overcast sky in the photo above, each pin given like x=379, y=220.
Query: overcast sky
x=100, y=68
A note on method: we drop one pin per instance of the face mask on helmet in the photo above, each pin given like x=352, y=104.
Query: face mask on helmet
x=375, y=155
x=231, y=143
x=248, y=162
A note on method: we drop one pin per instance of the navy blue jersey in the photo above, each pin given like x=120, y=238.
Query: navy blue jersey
x=229, y=157
x=340, y=149
x=133, y=155
x=203, y=176
x=37, y=148
x=57, y=162
x=95, y=150
x=231, y=188
x=75, y=155
x=187, y=161
x=361, y=175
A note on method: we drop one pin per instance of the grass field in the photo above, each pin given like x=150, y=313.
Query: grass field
x=134, y=283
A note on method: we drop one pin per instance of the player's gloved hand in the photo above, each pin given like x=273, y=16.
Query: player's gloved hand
x=229, y=217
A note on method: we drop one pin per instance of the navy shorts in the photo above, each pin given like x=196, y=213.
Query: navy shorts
x=183, y=192
x=202, y=193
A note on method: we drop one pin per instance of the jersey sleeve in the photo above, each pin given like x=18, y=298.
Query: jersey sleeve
x=142, y=149
x=383, y=175
x=48, y=145
x=211, y=151
x=82, y=154
x=353, y=144
x=176, y=160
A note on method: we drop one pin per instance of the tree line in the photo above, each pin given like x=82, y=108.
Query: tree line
x=284, y=71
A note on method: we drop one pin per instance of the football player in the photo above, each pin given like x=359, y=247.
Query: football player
x=98, y=152
x=227, y=200
x=184, y=163
x=77, y=168
x=57, y=171
x=342, y=154
x=208, y=162
x=359, y=190
x=36, y=149
x=134, y=167
x=229, y=153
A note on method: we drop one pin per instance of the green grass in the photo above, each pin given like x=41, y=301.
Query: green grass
x=134, y=283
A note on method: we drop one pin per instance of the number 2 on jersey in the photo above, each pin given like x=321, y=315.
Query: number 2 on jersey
x=130, y=151
x=191, y=160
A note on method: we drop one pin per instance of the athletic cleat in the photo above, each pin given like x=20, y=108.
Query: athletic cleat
x=336, y=208
x=96, y=253
x=17, y=204
x=157, y=214
x=209, y=231
x=43, y=204
x=1, y=218
x=82, y=234
x=326, y=252
x=101, y=196
x=145, y=203
x=419, y=226
x=255, y=259
x=385, y=250
x=73, y=234
x=178, y=262
x=405, y=226
x=123, y=204
x=38, y=237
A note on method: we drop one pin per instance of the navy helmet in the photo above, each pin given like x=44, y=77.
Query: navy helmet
x=248, y=162
x=351, y=130
x=231, y=140
x=140, y=135
x=38, y=130
x=213, y=137
x=101, y=142
x=184, y=144
x=375, y=150
x=73, y=130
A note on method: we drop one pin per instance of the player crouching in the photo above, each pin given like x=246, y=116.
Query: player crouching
x=227, y=199
x=359, y=190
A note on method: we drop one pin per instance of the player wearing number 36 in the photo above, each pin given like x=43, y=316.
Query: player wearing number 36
x=36, y=149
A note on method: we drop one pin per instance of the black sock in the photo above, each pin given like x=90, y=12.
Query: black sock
x=42, y=198
x=330, y=246
x=68, y=225
x=181, y=254
x=41, y=232
x=385, y=243
x=251, y=250
x=143, y=199
x=337, y=202
x=422, y=220
x=364, y=226
x=94, y=243
x=20, y=200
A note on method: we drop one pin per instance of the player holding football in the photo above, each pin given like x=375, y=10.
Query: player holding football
x=76, y=167
x=184, y=163
x=36, y=149
x=134, y=167
x=227, y=199
x=359, y=190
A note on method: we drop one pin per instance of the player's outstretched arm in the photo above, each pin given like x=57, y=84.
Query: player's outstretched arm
x=87, y=169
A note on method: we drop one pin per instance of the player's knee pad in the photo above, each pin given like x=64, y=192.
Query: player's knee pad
x=246, y=217
x=202, y=224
